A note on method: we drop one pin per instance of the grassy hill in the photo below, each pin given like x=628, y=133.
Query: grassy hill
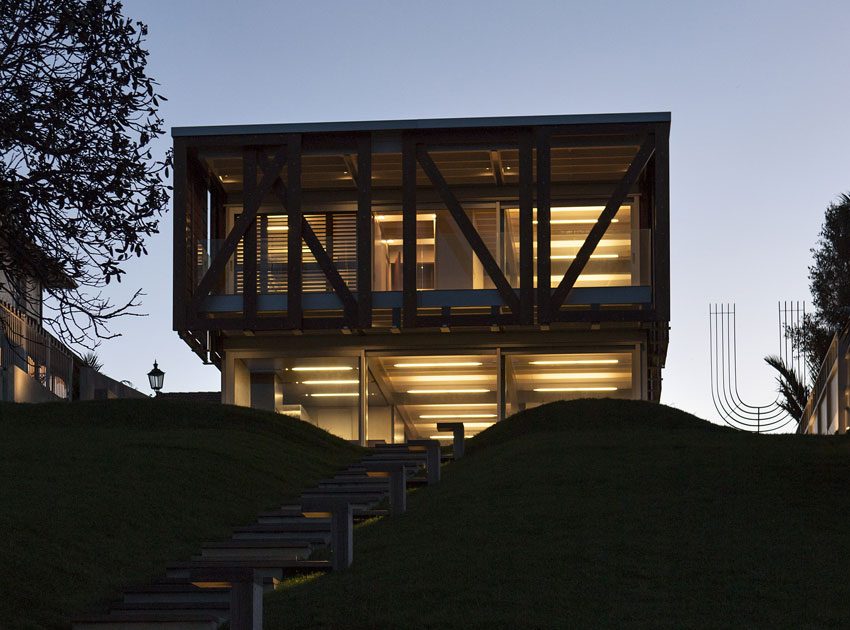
x=604, y=514
x=97, y=495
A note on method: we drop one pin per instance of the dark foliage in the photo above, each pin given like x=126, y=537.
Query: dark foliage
x=793, y=390
x=829, y=281
x=80, y=190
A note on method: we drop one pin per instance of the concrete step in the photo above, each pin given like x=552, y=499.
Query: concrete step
x=303, y=524
x=257, y=549
x=270, y=569
x=314, y=539
x=218, y=609
x=359, y=480
x=294, y=531
x=149, y=621
x=172, y=591
x=351, y=488
x=360, y=514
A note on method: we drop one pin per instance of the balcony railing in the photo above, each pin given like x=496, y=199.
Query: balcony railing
x=831, y=368
x=37, y=352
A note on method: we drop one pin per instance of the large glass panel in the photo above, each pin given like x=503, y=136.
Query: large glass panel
x=323, y=391
x=427, y=390
x=620, y=259
x=444, y=257
x=389, y=254
x=535, y=379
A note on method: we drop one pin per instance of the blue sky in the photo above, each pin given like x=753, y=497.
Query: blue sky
x=758, y=92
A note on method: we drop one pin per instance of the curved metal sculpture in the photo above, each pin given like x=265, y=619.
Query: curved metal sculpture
x=723, y=351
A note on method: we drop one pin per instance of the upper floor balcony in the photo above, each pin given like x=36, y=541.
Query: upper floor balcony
x=438, y=223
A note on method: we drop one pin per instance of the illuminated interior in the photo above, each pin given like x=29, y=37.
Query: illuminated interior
x=408, y=395
x=444, y=257
x=612, y=263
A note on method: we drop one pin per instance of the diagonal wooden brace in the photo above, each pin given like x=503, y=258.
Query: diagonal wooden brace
x=619, y=195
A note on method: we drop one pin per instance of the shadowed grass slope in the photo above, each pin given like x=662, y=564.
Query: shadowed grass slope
x=604, y=513
x=98, y=495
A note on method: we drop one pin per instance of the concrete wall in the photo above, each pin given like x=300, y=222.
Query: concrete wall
x=341, y=421
x=26, y=389
x=380, y=424
x=94, y=385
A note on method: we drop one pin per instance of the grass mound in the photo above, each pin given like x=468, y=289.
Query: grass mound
x=98, y=495
x=604, y=513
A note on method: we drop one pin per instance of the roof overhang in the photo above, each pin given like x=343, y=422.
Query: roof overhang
x=427, y=123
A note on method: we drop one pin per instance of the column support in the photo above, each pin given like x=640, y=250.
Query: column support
x=501, y=386
x=363, y=400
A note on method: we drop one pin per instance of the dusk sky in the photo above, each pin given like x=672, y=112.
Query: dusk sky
x=758, y=91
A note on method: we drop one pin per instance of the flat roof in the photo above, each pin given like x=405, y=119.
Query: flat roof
x=425, y=123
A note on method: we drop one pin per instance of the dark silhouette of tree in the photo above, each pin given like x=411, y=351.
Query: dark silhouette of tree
x=80, y=190
x=793, y=391
x=829, y=282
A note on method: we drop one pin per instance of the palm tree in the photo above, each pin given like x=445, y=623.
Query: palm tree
x=93, y=361
x=794, y=392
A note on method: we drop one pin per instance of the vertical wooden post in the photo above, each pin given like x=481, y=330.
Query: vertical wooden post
x=501, y=386
x=181, y=292
x=661, y=233
x=293, y=263
x=363, y=400
x=249, y=241
x=526, y=228
x=544, y=200
x=364, y=231
x=408, y=185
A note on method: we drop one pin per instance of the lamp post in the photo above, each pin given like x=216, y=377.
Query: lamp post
x=156, y=377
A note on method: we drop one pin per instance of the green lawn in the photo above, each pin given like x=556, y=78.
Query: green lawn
x=98, y=495
x=604, y=514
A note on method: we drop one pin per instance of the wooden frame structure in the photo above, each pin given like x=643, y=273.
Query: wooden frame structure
x=279, y=161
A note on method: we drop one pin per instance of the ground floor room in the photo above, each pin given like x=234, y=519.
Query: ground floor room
x=400, y=387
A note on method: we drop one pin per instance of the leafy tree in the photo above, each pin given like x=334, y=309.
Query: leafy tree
x=829, y=282
x=80, y=190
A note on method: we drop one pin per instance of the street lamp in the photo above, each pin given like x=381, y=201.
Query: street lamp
x=156, y=377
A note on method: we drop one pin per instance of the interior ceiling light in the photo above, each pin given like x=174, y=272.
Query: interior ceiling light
x=593, y=277
x=592, y=256
x=448, y=378
x=430, y=406
x=321, y=368
x=579, y=376
x=398, y=218
x=605, y=242
x=438, y=364
x=344, y=381
x=397, y=241
x=575, y=389
x=332, y=394
x=572, y=221
x=439, y=416
x=596, y=209
x=472, y=390
x=447, y=437
x=575, y=362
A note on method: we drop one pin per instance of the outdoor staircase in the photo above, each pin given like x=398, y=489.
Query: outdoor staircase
x=225, y=582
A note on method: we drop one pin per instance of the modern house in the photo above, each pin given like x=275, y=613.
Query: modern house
x=376, y=278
